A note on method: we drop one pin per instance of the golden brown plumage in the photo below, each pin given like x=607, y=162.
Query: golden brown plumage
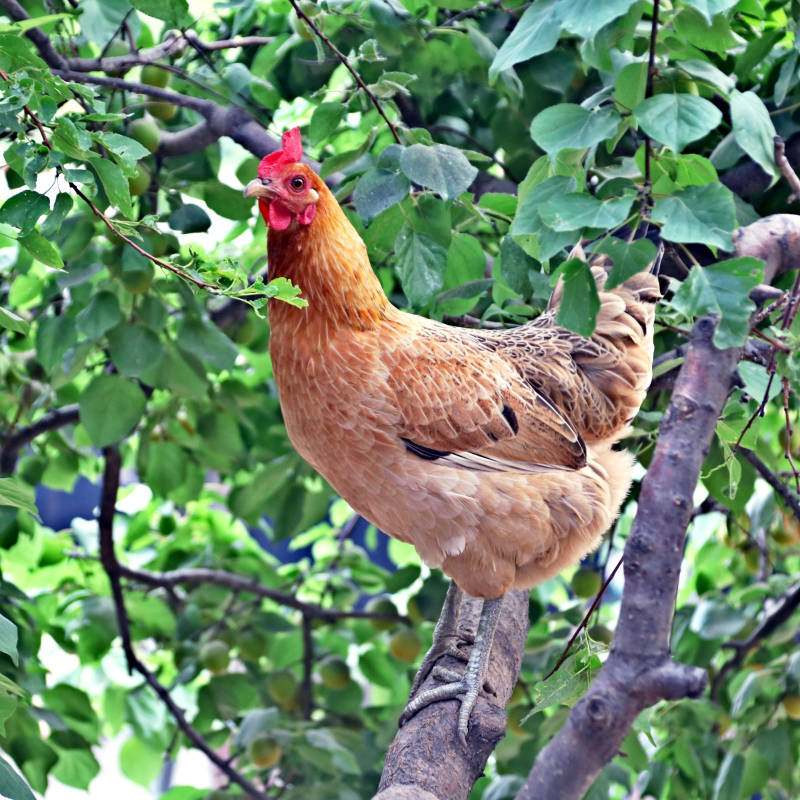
x=489, y=451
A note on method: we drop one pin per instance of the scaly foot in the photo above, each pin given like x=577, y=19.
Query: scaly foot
x=464, y=687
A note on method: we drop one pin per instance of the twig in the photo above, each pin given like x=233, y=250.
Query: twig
x=171, y=267
x=785, y=167
x=781, y=489
x=113, y=569
x=647, y=189
x=788, y=448
x=343, y=58
x=239, y=583
x=780, y=613
x=306, y=687
x=585, y=620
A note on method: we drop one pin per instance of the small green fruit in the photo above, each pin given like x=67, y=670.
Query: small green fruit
x=405, y=645
x=252, y=645
x=301, y=28
x=159, y=244
x=140, y=181
x=264, y=751
x=600, y=633
x=586, y=582
x=163, y=111
x=153, y=75
x=117, y=48
x=140, y=280
x=215, y=656
x=334, y=672
x=282, y=686
x=146, y=132
x=382, y=605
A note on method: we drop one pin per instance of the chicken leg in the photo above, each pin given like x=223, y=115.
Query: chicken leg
x=464, y=687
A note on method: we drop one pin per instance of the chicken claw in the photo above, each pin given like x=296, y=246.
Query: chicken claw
x=464, y=687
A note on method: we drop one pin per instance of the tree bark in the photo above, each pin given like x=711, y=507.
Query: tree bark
x=426, y=760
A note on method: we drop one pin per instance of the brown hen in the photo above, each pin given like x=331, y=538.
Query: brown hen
x=489, y=451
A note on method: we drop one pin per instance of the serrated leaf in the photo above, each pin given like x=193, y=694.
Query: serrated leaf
x=753, y=129
x=580, y=303
x=677, y=119
x=421, y=264
x=441, y=168
x=557, y=689
x=571, y=126
x=578, y=210
x=630, y=258
x=110, y=408
x=536, y=32
x=377, y=190
x=723, y=289
x=703, y=214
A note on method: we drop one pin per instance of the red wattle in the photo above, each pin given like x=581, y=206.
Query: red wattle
x=279, y=216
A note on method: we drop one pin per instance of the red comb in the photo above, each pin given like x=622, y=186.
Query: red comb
x=292, y=152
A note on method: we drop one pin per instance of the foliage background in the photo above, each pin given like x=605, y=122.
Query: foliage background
x=522, y=128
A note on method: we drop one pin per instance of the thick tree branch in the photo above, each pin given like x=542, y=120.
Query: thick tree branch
x=426, y=760
x=113, y=569
x=639, y=671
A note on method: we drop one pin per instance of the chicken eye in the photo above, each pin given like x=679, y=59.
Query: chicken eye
x=298, y=183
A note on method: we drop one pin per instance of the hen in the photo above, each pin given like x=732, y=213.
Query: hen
x=489, y=451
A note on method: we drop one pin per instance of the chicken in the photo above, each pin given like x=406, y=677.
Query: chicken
x=489, y=451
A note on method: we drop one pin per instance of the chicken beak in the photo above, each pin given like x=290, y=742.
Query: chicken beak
x=258, y=188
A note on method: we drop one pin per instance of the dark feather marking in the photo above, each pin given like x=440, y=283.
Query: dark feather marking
x=428, y=453
x=511, y=418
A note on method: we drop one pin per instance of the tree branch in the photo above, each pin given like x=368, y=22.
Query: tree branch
x=781, y=489
x=195, y=577
x=42, y=41
x=113, y=569
x=426, y=760
x=58, y=418
x=639, y=671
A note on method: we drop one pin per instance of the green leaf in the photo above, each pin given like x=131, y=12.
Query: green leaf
x=110, y=408
x=421, y=264
x=134, y=349
x=571, y=126
x=61, y=208
x=677, y=119
x=722, y=289
x=137, y=760
x=102, y=314
x=580, y=303
x=283, y=289
x=536, y=32
x=714, y=620
x=441, y=168
x=515, y=264
x=529, y=230
x=578, y=210
x=753, y=129
x=116, y=185
x=173, y=12
x=630, y=258
x=586, y=17
x=8, y=319
x=23, y=210
x=207, y=342
x=8, y=638
x=557, y=689
x=227, y=202
x=128, y=150
x=715, y=35
x=189, y=218
x=12, y=785
x=54, y=336
x=342, y=160
x=729, y=778
x=710, y=8
x=42, y=250
x=703, y=214
x=378, y=190
x=630, y=85
x=166, y=467
x=14, y=494
x=324, y=121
